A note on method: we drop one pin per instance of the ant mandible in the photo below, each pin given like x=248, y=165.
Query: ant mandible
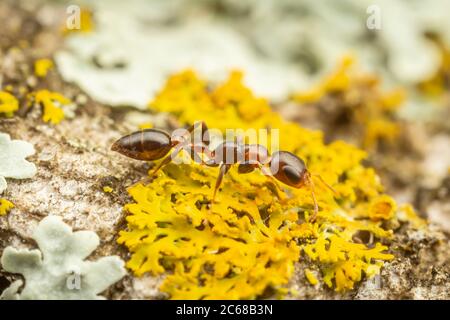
x=154, y=144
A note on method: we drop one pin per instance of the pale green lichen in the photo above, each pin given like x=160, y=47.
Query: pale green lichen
x=12, y=160
x=59, y=269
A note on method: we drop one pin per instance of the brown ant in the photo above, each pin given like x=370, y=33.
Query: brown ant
x=154, y=144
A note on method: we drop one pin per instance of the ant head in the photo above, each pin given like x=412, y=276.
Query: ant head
x=288, y=168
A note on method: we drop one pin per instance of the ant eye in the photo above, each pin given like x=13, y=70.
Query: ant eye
x=292, y=174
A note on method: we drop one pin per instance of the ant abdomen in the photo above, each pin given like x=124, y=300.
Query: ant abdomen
x=146, y=145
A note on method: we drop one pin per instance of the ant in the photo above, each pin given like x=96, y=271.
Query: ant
x=154, y=144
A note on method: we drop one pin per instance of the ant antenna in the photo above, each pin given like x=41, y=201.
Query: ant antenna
x=313, y=195
x=311, y=184
x=325, y=183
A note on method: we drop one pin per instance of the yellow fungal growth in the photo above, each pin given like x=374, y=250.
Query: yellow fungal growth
x=42, y=66
x=5, y=206
x=107, y=189
x=249, y=239
x=360, y=98
x=8, y=103
x=51, y=103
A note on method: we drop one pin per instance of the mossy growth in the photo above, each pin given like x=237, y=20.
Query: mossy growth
x=247, y=242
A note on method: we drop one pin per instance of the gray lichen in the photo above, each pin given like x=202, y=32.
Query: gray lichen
x=58, y=270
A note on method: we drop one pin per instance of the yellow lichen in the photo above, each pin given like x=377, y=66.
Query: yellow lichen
x=5, y=206
x=437, y=85
x=378, y=129
x=345, y=262
x=248, y=240
x=146, y=125
x=227, y=250
x=311, y=277
x=361, y=99
x=408, y=214
x=382, y=208
x=8, y=103
x=51, y=103
x=108, y=189
x=339, y=80
x=42, y=66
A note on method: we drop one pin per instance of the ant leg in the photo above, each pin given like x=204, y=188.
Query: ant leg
x=164, y=162
x=197, y=150
x=167, y=159
x=193, y=126
x=210, y=163
x=325, y=183
x=266, y=172
x=143, y=181
x=222, y=171
x=193, y=149
x=313, y=195
x=204, y=131
x=185, y=135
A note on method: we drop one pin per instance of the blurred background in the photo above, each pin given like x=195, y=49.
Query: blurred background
x=373, y=73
